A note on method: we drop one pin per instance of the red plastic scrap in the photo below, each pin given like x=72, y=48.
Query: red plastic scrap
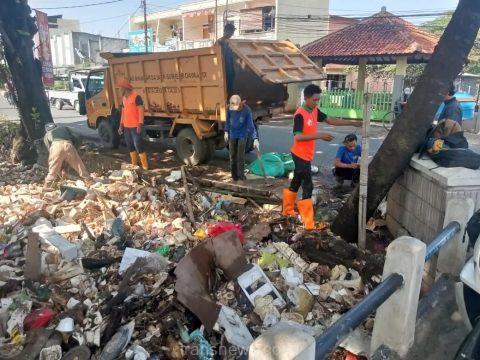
x=38, y=319
x=221, y=227
x=351, y=356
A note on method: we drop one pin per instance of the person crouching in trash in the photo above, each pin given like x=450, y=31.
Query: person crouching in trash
x=346, y=161
x=238, y=129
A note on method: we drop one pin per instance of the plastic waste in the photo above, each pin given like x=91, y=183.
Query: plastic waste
x=65, y=325
x=13, y=250
x=170, y=194
x=118, y=342
x=51, y=353
x=38, y=319
x=174, y=176
x=221, y=227
x=205, y=351
x=235, y=330
x=302, y=299
x=118, y=228
x=292, y=276
x=275, y=164
x=163, y=250
x=255, y=283
x=136, y=352
x=265, y=308
x=200, y=234
x=268, y=259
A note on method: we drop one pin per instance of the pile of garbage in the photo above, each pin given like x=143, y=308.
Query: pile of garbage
x=155, y=267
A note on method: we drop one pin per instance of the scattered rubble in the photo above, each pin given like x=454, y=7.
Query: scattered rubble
x=132, y=267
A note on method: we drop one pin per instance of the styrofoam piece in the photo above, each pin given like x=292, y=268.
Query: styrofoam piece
x=68, y=250
x=129, y=257
x=255, y=283
x=235, y=330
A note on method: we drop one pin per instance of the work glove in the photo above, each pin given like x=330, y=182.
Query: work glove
x=225, y=136
x=256, y=144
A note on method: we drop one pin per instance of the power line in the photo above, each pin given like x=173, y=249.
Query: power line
x=80, y=6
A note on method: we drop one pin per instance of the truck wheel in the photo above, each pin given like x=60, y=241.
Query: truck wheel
x=58, y=104
x=190, y=149
x=76, y=105
x=108, y=135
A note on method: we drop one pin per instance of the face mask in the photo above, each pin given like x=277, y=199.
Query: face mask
x=234, y=107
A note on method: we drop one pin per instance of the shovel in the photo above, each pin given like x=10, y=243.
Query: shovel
x=259, y=157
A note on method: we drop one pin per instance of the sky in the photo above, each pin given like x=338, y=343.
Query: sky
x=112, y=19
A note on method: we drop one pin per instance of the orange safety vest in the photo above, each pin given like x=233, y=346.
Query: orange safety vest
x=306, y=149
x=130, y=111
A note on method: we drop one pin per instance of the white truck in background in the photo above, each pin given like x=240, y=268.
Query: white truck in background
x=77, y=81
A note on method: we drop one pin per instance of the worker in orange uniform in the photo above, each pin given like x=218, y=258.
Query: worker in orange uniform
x=305, y=134
x=131, y=123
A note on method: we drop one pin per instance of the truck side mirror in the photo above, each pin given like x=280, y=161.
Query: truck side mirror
x=81, y=102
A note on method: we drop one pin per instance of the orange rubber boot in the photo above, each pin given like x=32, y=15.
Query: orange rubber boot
x=288, y=199
x=305, y=208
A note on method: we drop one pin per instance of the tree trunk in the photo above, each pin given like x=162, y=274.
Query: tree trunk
x=17, y=28
x=410, y=128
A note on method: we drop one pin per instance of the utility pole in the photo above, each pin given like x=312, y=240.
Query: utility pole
x=145, y=26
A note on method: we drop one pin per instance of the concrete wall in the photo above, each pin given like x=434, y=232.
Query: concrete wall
x=62, y=50
x=301, y=31
x=193, y=27
x=64, y=45
x=417, y=201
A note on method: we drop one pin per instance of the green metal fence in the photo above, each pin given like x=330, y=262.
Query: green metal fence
x=349, y=104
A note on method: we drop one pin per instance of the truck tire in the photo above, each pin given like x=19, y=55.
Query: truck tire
x=58, y=104
x=76, y=105
x=190, y=149
x=108, y=134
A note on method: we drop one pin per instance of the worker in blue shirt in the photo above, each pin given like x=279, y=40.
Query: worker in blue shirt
x=346, y=161
x=238, y=129
x=452, y=109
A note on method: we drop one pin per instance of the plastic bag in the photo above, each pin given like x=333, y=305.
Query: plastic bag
x=221, y=227
x=38, y=319
x=275, y=164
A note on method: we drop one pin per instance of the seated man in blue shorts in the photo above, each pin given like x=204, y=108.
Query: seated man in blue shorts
x=346, y=161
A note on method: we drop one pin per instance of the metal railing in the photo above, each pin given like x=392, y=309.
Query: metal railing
x=331, y=337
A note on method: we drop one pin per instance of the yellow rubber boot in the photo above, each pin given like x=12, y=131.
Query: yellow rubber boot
x=144, y=160
x=305, y=208
x=288, y=199
x=134, y=158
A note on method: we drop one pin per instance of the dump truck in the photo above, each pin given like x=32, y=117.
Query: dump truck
x=185, y=92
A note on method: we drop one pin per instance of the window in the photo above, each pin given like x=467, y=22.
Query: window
x=268, y=18
x=95, y=83
x=257, y=20
x=76, y=84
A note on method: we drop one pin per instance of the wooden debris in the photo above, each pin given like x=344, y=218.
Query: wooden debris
x=187, y=197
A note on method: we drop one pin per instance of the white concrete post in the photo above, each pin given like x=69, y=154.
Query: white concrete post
x=395, y=320
x=452, y=256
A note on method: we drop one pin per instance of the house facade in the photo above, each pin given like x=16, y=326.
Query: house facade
x=199, y=24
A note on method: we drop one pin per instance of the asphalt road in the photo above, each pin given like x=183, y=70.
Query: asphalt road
x=275, y=135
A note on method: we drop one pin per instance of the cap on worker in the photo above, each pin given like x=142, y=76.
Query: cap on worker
x=49, y=126
x=235, y=102
x=123, y=83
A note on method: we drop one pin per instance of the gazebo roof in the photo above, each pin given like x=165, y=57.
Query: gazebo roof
x=380, y=38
